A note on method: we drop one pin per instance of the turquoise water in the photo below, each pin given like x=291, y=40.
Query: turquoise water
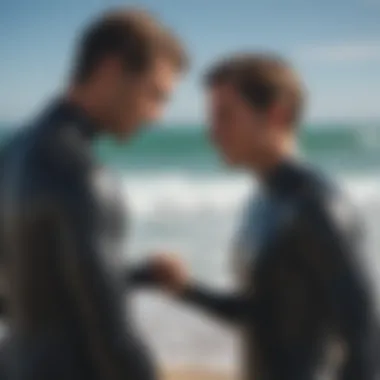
x=344, y=148
x=347, y=148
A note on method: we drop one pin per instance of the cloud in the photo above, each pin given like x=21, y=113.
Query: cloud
x=354, y=52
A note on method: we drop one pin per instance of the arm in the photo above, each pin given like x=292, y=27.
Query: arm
x=3, y=294
x=327, y=243
x=3, y=307
x=96, y=288
x=230, y=307
x=167, y=272
x=141, y=275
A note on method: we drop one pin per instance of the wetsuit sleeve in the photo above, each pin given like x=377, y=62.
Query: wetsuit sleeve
x=3, y=307
x=96, y=284
x=140, y=276
x=229, y=307
x=328, y=246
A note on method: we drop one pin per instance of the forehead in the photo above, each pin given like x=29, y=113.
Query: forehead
x=224, y=93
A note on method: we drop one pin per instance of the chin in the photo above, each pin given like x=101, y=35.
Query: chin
x=232, y=162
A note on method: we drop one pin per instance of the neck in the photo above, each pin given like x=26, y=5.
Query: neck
x=280, y=153
x=85, y=101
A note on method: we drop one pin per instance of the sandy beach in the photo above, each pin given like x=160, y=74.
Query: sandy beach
x=194, y=374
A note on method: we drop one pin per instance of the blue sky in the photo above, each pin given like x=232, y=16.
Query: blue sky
x=335, y=44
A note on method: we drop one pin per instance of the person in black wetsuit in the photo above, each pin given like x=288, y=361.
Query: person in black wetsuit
x=305, y=304
x=62, y=220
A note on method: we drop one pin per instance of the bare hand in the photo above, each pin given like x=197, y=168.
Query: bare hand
x=170, y=272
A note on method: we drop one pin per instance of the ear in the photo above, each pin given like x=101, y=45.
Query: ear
x=110, y=68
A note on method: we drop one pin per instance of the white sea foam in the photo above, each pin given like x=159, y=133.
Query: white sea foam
x=191, y=194
x=169, y=193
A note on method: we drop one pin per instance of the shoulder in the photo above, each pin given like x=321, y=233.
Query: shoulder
x=67, y=152
x=320, y=199
x=44, y=161
x=76, y=171
x=51, y=163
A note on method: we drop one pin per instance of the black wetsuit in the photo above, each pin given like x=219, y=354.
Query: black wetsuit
x=62, y=227
x=303, y=284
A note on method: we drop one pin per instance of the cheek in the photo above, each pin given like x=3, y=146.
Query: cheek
x=229, y=139
x=125, y=114
x=132, y=106
x=244, y=141
x=220, y=134
x=148, y=109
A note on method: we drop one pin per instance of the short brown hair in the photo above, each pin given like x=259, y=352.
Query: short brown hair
x=262, y=79
x=131, y=34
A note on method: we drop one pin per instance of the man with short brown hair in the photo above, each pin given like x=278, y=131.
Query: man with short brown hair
x=135, y=36
x=303, y=286
x=261, y=79
x=62, y=220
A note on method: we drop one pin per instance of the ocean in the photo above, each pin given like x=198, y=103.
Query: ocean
x=181, y=198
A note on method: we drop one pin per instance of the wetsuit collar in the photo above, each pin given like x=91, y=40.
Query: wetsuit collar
x=72, y=113
x=284, y=177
